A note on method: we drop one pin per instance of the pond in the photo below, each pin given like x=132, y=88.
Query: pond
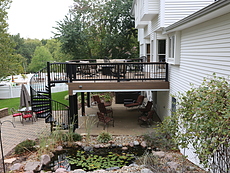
x=101, y=158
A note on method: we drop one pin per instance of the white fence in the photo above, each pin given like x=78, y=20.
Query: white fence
x=9, y=91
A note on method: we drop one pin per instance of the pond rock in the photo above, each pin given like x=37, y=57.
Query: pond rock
x=143, y=144
x=88, y=148
x=61, y=170
x=124, y=148
x=145, y=170
x=135, y=143
x=45, y=159
x=16, y=167
x=112, y=168
x=59, y=148
x=79, y=171
x=33, y=166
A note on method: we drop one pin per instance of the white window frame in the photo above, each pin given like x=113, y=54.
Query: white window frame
x=174, y=48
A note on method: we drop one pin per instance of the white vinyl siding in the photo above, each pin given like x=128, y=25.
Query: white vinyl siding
x=149, y=9
x=204, y=50
x=176, y=10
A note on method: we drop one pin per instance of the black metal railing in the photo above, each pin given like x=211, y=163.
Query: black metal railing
x=54, y=112
x=60, y=115
x=126, y=71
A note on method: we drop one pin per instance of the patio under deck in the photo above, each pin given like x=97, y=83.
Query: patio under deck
x=125, y=121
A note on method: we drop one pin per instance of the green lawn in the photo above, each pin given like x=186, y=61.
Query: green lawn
x=14, y=102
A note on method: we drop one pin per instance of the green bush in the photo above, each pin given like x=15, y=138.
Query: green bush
x=27, y=145
x=77, y=137
x=160, y=138
x=104, y=137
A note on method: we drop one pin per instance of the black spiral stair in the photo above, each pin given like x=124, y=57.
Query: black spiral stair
x=55, y=113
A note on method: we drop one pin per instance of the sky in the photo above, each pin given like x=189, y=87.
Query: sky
x=36, y=18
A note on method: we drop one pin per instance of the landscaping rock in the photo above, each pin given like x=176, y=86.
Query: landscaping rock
x=33, y=166
x=78, y=143
x=112, y=168
x=10, y=160
x=59, y=148
x=159, y=153
x=136, y=143
x=61, y=170
x=173, y=165
x=146, y=171
x=79, y=171
x=16, y=167
x=124, y=148
x=88, y=148
x=45, y=159
x=143, y=144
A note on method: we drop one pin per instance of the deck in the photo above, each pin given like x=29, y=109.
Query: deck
x=126, y=76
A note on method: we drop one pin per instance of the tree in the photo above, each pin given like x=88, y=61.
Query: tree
x=54, y=47
x=40, y=58
x=95, y=29
x=203, y=120
x=9, y=63
x=28, y=48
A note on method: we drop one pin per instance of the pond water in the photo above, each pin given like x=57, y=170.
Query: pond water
x=102, y=158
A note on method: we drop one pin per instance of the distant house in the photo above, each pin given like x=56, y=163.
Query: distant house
x=193, y=37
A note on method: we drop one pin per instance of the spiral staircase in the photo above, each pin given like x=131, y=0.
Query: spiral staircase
x=55, y=113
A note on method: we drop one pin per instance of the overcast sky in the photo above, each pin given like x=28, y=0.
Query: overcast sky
x=36, y=18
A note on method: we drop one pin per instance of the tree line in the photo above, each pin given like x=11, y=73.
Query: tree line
x=93, y=29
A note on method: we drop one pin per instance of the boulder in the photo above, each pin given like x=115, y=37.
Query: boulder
x=146, y=171
x=16, y=167
x=33, y=166
x=45, y=159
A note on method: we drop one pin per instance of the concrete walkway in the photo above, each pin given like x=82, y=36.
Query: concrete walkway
x=126, y=123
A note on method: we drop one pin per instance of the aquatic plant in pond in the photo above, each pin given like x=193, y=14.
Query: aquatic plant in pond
x=92, y=161
x=101, y=158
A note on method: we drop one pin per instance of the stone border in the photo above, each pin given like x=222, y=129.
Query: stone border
x=4, y=112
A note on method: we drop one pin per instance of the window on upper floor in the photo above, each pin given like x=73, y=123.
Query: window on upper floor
x=173, y=48
x=161, y=50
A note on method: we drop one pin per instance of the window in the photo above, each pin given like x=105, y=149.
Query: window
x=173, y=48
x=148, y=52
x=161, y=50
x=173, y=109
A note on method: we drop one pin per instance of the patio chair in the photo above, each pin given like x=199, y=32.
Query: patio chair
x=147, y=119
x=97, y=99
x=104, y=119
x=147, y=108
x=27, y=115
x=104, y=110
x=15, y=113
x=134, y=103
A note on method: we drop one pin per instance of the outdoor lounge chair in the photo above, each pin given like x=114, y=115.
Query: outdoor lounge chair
x=134, y=103
x=97, y=99
x=147, y=108
x=27, y=114
x=104, y=110
x=16, y=114
x=147, y=119
x=104, y=119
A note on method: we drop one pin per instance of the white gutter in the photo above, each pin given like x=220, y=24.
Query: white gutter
x=213, y=10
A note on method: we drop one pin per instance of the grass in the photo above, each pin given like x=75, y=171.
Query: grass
x=14, y=102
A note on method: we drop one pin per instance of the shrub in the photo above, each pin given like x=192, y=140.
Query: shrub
x=77, y=137
x=160, y=138
x=27, y=145
x=104, y=137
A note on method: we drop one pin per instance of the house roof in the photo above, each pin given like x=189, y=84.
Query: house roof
x=213, y=10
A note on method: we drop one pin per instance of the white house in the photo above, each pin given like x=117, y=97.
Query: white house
x=192, y=36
